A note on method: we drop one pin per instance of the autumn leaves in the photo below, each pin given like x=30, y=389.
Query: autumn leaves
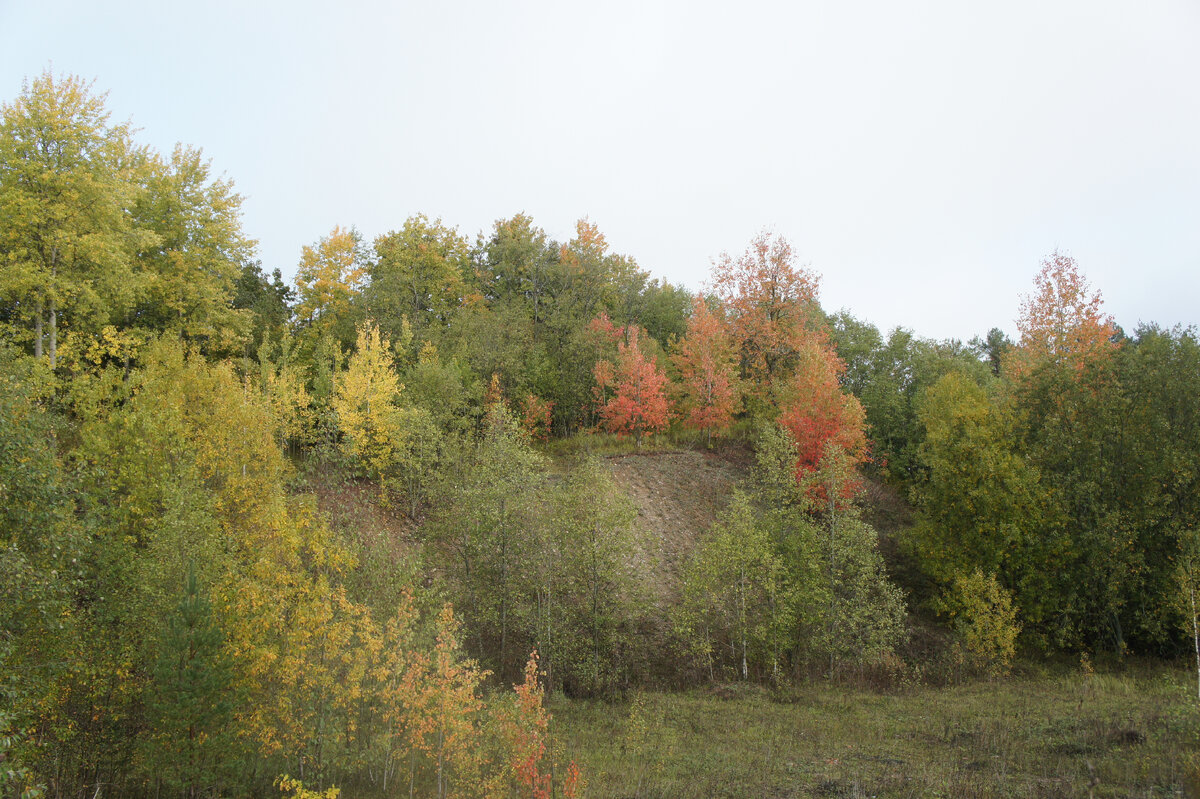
x=758, y=343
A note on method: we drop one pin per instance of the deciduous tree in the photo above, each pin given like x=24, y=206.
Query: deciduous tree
x=639, y=403
x=821, y=418
x=66, y=189
x=770, y=304
x=330, y=276
x=1062, y=322
x=707, y=366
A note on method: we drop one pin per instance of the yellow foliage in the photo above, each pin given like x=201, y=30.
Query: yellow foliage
x=985, y=617
x=365, y=401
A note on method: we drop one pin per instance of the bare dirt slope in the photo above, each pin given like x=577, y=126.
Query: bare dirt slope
x=678, y=495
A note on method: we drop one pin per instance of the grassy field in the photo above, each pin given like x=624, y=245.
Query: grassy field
x=1130, y=734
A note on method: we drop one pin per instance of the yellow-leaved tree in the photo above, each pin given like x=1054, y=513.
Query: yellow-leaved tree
x=393, y=443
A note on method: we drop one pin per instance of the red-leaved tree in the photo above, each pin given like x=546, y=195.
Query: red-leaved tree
x=824, y=422
x=535, y=417
x=632, y=392
x=525, y=725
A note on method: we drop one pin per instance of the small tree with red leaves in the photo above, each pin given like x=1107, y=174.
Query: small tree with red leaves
x=822, y=420
x=638, y=404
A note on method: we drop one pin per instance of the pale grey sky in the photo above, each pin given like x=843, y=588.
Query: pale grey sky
x=922, y=156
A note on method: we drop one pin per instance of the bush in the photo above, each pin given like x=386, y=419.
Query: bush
x=985, y=619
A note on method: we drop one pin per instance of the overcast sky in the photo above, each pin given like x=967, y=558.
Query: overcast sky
x=923, y=157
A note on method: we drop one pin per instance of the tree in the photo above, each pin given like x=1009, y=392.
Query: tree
x=706, y=363
x=417, y=274
x=195, y=260
x=366, y=402
x=639, y=402
x=1188, y=577
x=191, y=700
x=820, y=418
x=328, y=279
x=66, y=189
x=771, y=305
x=392, y=441
x=486, y=521
x=588, y=595
x=985, y=618
x=1061, y=322
x=267, y=300
x=41, y=568
x=524, y=729
x=980, y=504
x=864, y=618
x=734, y=590
x=516, y=263
x=535, y=417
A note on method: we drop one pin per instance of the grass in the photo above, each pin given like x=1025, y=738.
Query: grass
x=1065, y=735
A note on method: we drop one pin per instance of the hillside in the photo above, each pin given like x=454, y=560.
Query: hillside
x=678, y=495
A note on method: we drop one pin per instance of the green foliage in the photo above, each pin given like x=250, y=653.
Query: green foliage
x=864, y=620
x=445, y=389
x=65, y=190
x=41, y=552
x=267, y=300
x=417, y=275
x=889, y=376
x=487, y=505
x=734, y=615
x=589, y=599
x=190, y=703
x=981, y=505
x=193, y=262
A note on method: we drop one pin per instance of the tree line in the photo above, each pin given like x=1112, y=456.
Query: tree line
x=179, y=616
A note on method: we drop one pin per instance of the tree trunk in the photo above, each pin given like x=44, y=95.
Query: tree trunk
x=742, y=609
x=53, y=308
x=1195, y=637
x=37, y=331
x=53, y=333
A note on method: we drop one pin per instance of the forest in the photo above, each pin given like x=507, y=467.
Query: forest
x=360, y=533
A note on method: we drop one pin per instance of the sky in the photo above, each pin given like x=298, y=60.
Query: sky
x=922, y=157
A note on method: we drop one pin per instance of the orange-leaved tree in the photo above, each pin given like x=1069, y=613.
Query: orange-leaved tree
x=525, y=729
x=821, y=419
x=535, y=417
x=638, y=404
x=1061, y=322
x=707, y=365
x=771, y=307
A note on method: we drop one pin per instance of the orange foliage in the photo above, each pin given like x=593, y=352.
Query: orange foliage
x=535, y=417
x=707, y=372
x=822, y=420
x=493, y=395
x=771, y=306
x=526, y=728
x=1061, y=322
x=639, y=404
